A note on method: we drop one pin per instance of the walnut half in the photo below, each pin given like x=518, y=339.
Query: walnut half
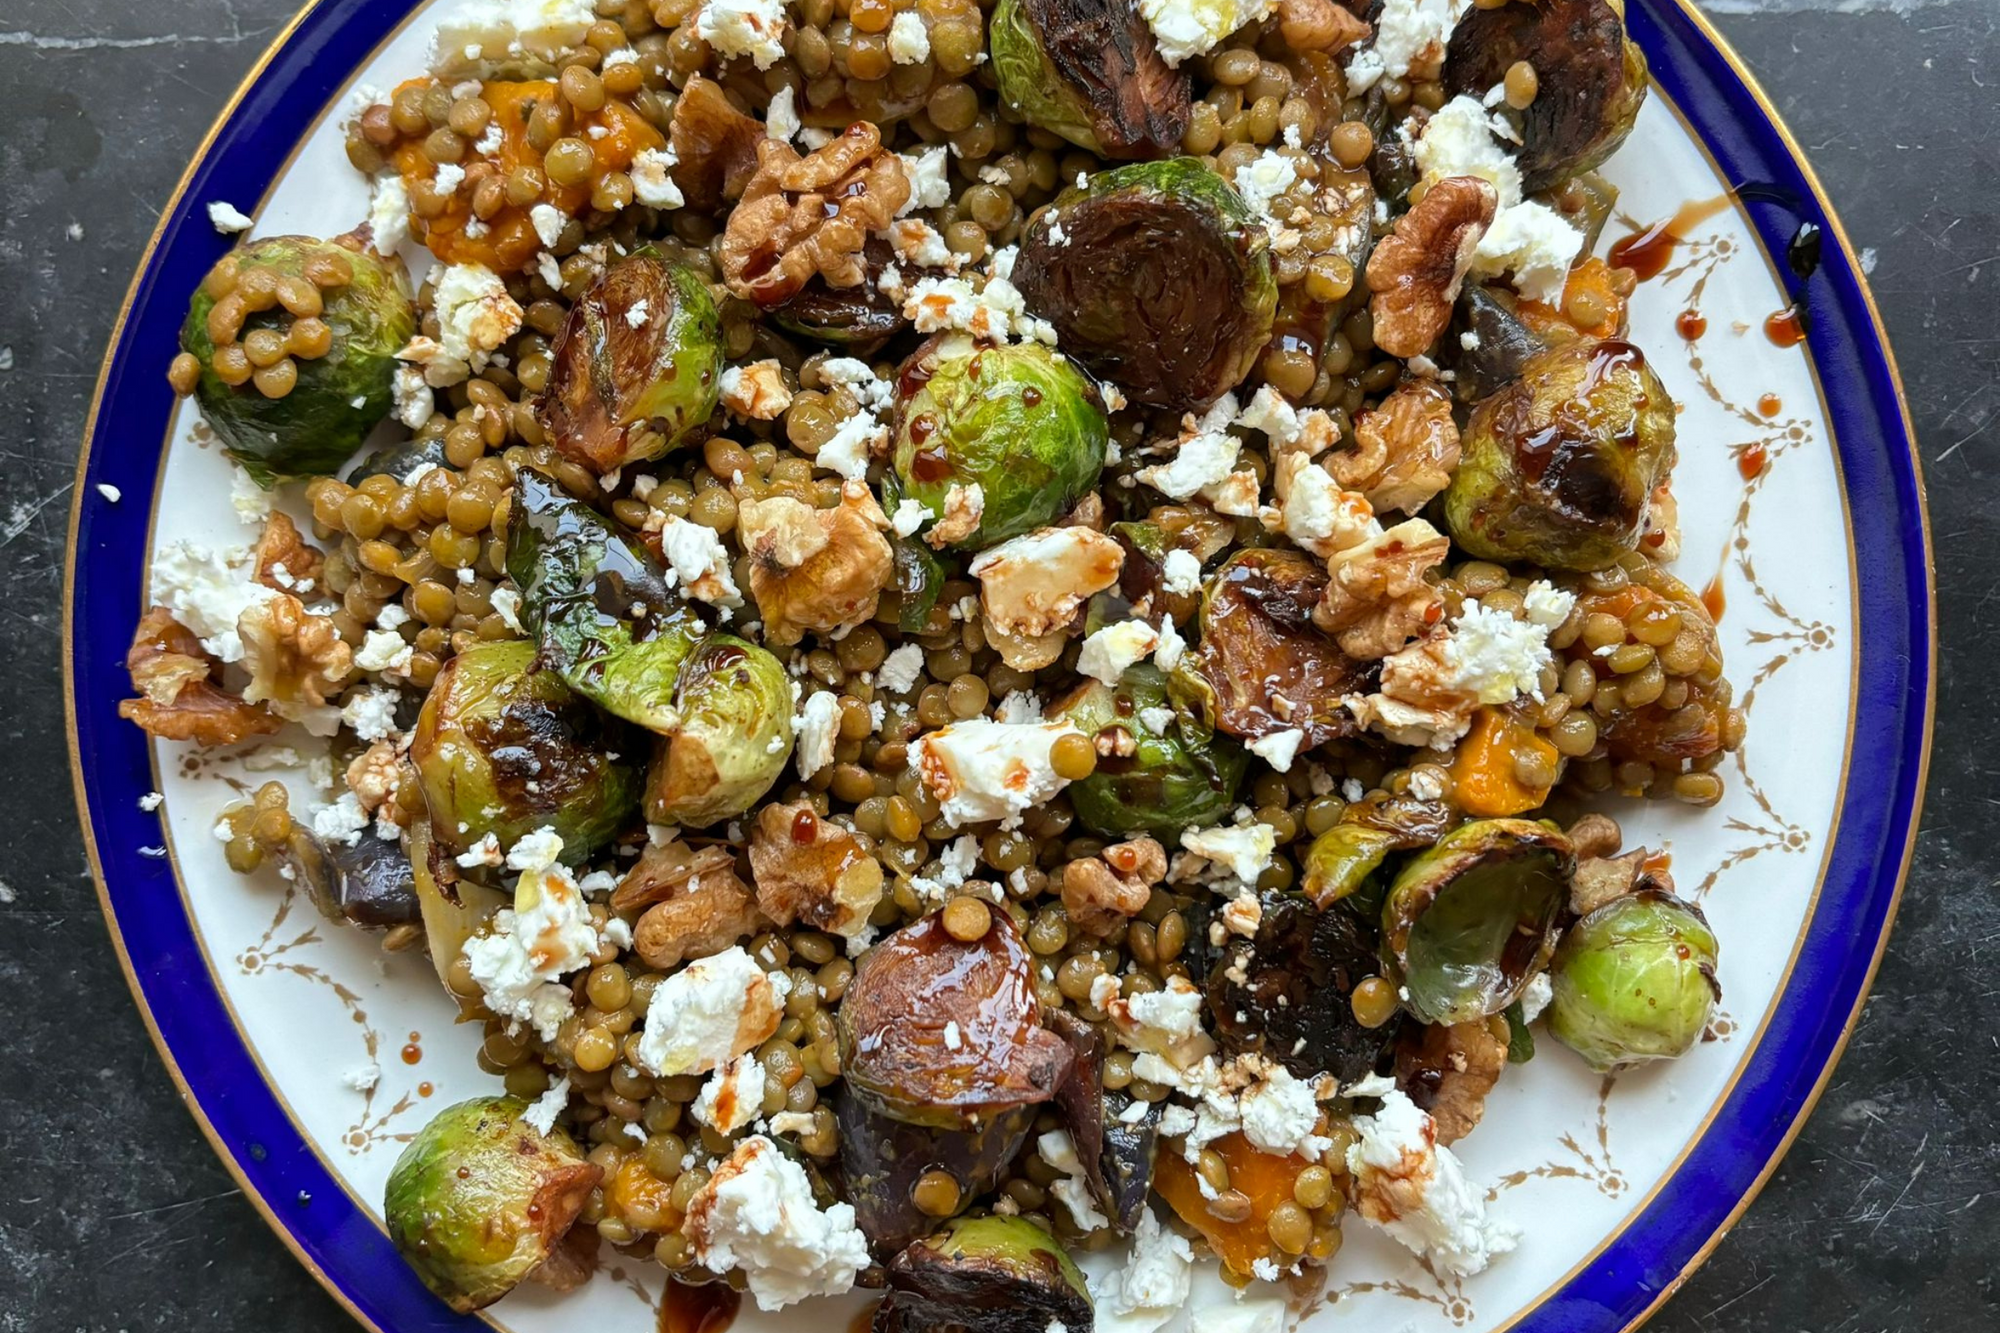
x=815, y=569
x=1416, y=270
x=178, y=700
x=1404, y=451
x=805, y=216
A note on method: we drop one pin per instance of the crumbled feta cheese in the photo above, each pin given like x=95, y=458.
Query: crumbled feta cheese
x=732, y=1097
x=1279, y=1115
x=383, y=650
x=363, y=1078
x=1534, y=245
x=1278, y=748
x=917, y=242
x=1192, y=27
x=930, y=184
x=753, y=28
x=980, y=770
x=227, y=218
x=1536, y=996
x=506, y=604
x=1263, y=179
x=852, y=445
x=1168, y=655
x=1073, y=1189
x=151, y=801
x=900, y=669
x=818, y=729
x=993, y=313
x=475, y=317
x=1153, y=1285
x=653, y=179
x=1405, y=33
x=415, y=404
x=1157, y=719
x=207, y=590
x=710, y=1012
x=485, y=852
x=541, y=1117
x=1019, y=706
x=757, y=1215
x=909, y=40
x=448, y=178
x=697, y=561
x=1469, y=341
x=781, y=117
x=548, y=222
x=1206, y=456
x=1494, y=657
x=1181, y=573
x=1526, y=238
x=546, y=933
x=370, y=712
x=1032, y=584
x=1241, y=915
x=1416, y=1190
x=522, y=35
x=110, y=492
x=1110, y=651
x=1270, y=414
x=1242, y=853
x=909, y=516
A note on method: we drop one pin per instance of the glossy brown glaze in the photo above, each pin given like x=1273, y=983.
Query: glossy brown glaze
x=1648, y=251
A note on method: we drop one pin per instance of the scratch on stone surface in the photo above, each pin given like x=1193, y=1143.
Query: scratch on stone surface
x=24, y=514
x=40, y=42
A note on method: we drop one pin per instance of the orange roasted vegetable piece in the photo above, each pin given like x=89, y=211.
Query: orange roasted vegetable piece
x=1484, y=776
x=1265, y=1179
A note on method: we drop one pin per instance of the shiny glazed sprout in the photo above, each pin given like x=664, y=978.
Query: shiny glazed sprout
x=1091, y=71
x=733, y=706
x=1158, y=779
x=1634, y=981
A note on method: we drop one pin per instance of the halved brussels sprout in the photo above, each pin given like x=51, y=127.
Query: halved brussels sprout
x=1019, y=422
x=1593, y=80
x=337, y=397
x=882, y=1159
x=1286, y=992
x=599, y=604
x=399, y=460
x=734, y=705
x=1502, y=342
x=1261, y=667
x=1342, y=859
x=1160, y=282
x=1304, y=322
x=1634, y=981
x=452, y=912
x=918, y=579
x=1558, y=467
x=1468, y=923
x=1173, y=777
x=480, y=1197
x=503, y=748
x=919, y=985
x=856, y=319
x=368, y=884
x=994, y=1274
x=1091, y=71
x=636, y=368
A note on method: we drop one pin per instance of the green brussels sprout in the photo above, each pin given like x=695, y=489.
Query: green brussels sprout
x=1091, y=71
x=734, y=705
x=502, y=747
x=1558, y=467
x=450, y=918
x=1177, y=777
x=1593, y=80
x=399, y=460
x=1469, y=922
x=337, y=398
x=993, y=1274
x=1634, y=981
x=624, y=389
x=1343, y=859
x=1159, y=280
x=599, y=604
x=1019, y=421
x=858, y=320
x=918, y=579
x=480, y=1197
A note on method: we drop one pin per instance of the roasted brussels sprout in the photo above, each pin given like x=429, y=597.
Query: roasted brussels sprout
x=1090, y=71
x=1261, y=667
x=335, y=397
x=503, y=748
x=1019, y=422
x=1501, y=344
x=480, y=1197
x=599, y=605
x=1285, y=992
x=996, y=1274
x=1468, y=923
x=1557, y=468
x=623, y=389
x=1342, y=859
x=856, y=319
x=1634, y=981
x=452, y=911
x=1592, y=80
x=1159, y=280
x=1172, y=777
x=369, y=884
x=923, y=983
x=399, y=460
x=734, y=704
x=882, y=1159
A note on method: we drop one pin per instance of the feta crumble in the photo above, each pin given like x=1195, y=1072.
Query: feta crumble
x=710, y=1012
x=1416, y=1190
x=751, y=28
x=1108, y=653
x=983, y=770
x=227, y=218
x=757, y=1215
x=818, y=729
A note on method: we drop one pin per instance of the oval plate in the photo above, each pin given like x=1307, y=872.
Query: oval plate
x=1802, y=510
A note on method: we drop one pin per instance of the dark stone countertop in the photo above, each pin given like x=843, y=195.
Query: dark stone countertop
x=114, y=1215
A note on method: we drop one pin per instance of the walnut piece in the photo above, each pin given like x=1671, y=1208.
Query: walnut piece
x=1412, y=704
x=1404, y=450
x=809, y=870
x=1318, y=25
x=806, y=216
x=756, y=391
x=178, y=699
x=661, y=871
x=714, y=145
x=297, y=660
x=1415, y=272
x=285, y=560
x=1595, y=834
x=815, y=569
x=1102, y=891
x=1599, y=879
x=376, y=775
x=1457, y=1065
x=1377, y=598
x=706, y=914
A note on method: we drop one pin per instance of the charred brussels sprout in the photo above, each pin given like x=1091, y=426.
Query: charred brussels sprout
x=1161, y=281
x=599, y=604
x=1634, y=981
x=1557, y=468
x=1262, y=667
x=504, y=748
x=734, y=706
x=1090, y=71
x=480, y=1197
x=1593, y=80
x=882, y=1159
x=1019, y=422
x=1286, y=992
x=623, y=390
x=923, y=982
x=857, y=319
x=1176, y=776
x=337, y=396
x=369, y=884
x=1468, y=923
x=994, y=1274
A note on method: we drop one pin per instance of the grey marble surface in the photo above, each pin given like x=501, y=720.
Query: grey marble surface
x=113, y=1214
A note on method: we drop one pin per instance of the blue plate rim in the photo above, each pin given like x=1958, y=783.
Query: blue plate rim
x=1618, y=1288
